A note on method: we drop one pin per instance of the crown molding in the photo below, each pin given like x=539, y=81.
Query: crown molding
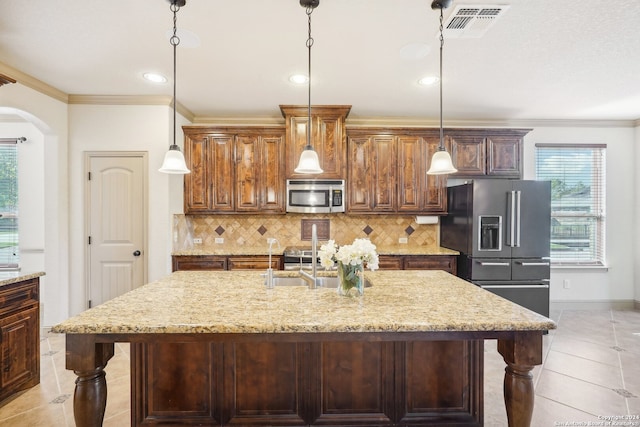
x=33, y=83
x=164, y=100
x=417, y=122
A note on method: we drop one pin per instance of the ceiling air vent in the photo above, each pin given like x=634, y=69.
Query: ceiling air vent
x=472, y=21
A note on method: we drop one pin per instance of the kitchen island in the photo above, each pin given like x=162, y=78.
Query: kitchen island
x=218, y=348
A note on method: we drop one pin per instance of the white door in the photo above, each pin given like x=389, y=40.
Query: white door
x=116, y=200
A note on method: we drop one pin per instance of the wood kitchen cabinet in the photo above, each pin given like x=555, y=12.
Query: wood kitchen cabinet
x=19, y=337
x=225, y=262
x=253, y=262
x=198, y=262
x=234, y=170
x=327, y=138
x=486, y=152
x=339, y=382
x=387, y=172
x=447, y=263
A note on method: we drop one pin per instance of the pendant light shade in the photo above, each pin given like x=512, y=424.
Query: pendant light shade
x=309, y=162
x=441, y=162
x=174, y=162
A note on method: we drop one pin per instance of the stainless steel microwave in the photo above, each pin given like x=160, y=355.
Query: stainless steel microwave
x=315, y=195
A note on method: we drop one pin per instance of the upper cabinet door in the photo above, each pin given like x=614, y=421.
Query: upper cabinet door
x=197, y=194
x=504, y=152
x=468, y=154
x=221, y=160
x=360, y=178
x=271, y=167
x=327, y=138
x=247, y=172
x=411, y=173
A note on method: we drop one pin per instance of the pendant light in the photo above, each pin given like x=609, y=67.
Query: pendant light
x=441, y=161
x=309, y=163
x=174, y=159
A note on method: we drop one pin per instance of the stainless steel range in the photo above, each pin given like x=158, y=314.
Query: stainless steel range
x=298, y=257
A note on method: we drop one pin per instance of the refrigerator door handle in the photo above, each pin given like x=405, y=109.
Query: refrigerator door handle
x=511, y=203
x=514, y=286
x=518, y=218
x=534, y=264
x=499, y=264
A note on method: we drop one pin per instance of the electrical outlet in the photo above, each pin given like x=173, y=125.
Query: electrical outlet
x=403, y=240
x=219, y=240
x=566, y=283
x=197, y=241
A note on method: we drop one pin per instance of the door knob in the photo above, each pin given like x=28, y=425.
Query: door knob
x=136, y=253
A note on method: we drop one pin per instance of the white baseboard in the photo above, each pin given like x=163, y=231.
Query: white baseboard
x=596, y=305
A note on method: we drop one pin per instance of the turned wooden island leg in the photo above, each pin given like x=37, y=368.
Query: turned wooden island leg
x=518, y=394
x=88, y=359
x=90, y=398
x=521, y=354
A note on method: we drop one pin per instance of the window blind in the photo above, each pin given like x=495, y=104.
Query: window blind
x=9, y=253
x=577, y=175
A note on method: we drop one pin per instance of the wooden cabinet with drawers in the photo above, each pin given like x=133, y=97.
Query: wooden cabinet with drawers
x=447, y=263
x=261, y=262
x=225, y=262
x=19, y=337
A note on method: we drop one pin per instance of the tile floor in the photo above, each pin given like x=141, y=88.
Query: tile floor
x=591, y=368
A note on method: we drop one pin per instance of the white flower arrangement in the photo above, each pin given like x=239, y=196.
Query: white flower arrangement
x=361, y=251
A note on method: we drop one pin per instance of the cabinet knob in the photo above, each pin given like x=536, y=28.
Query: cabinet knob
x=136, y=253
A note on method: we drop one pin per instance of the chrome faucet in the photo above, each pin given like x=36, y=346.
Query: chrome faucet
x=312, y=279
x=269, y=278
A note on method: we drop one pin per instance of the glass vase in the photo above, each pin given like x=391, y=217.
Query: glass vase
x=351, y=279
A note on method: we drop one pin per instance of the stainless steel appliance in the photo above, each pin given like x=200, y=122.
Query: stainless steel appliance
x=296, y=258
x=315, y=195
x=502, y=230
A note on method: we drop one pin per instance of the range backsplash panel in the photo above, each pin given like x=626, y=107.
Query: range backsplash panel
x=247, y=231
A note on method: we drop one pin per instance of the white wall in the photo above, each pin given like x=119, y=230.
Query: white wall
x=616, y=283
x=48, y=118
x=122, y=128
x=636, y=216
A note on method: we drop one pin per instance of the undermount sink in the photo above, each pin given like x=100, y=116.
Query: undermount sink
x=324, y=282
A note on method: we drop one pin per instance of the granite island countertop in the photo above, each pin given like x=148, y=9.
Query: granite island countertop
x=238, y=302
x=9, y=277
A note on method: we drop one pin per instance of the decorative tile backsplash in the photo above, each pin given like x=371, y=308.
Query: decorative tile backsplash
x=245, y=231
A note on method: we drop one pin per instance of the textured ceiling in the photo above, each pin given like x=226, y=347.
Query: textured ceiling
x=544, y=59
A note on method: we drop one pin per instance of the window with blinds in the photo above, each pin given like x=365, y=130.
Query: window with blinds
x=9, y=254
x=577, y=175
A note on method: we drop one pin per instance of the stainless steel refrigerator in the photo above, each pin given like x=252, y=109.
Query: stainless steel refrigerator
x=502, y=230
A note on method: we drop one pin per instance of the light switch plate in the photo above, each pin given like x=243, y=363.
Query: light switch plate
x=403, y=240
x=197, y=241
x=219, y=239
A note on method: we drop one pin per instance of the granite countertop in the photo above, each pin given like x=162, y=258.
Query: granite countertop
x=238, y=302
x=382, y=250
x=9, y=277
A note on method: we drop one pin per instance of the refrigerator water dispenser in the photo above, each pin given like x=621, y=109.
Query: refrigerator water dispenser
x=490, y=233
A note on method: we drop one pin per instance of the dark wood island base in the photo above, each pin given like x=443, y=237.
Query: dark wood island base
x=304, y=379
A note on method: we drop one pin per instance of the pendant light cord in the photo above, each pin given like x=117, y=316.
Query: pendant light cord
x=441, y=145
x=175, y=41
x=309, y=44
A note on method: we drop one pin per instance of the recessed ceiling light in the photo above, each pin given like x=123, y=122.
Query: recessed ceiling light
x=299, y=79
x=428, y=81
x=155, y=77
